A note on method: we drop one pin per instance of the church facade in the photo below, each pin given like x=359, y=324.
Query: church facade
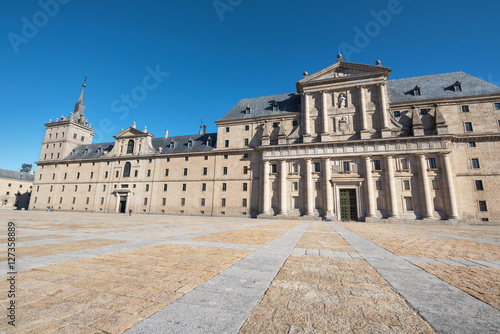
x=349, y=144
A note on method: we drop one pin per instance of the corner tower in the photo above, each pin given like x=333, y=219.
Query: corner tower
x=65, y=134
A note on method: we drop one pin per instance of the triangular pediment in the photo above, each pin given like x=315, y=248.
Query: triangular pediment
x=345, y=70
x=131, y=132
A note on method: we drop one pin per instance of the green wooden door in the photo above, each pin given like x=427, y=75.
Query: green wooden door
x=348, y=205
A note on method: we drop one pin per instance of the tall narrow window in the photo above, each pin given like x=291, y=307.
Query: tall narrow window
x=475, y=163
x=346, y=166
x=479, y=185
x=432, y=163
x=468, y=126
x=465, y=108
x=126, y=170
x=376, y=165
x=205, y=170
x=482, y=206
x=224, y=186
x=130, y=147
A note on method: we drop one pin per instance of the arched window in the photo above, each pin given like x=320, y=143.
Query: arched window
x=130, y=147
x=126, y=170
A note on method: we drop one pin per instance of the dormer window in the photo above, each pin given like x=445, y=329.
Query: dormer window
x=276, y=107
x=99, y=150
x=247, y=110
x=73, y=152
x=172, y=144
x=190, y=143
x=130, y=147
x=457, y=86
x=209, y=141
x=416, y=91
x=85, y=151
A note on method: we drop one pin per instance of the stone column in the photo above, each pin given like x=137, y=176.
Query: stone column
x=126, y=203
x=265, y=188
x=324, y=114
x=283, y=193
x=391, y=185
x=424, y=180
x=309, y=189
x=365, y=133
x=117, y=210
x=385, y=130
x=327, y=172
x=449, y=187
x=370, y=194
x=306, y=135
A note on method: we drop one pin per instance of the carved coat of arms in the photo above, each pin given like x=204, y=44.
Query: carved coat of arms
x=343, y=124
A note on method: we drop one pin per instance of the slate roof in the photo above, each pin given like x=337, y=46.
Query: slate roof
x=181, y=146
x=263, y=106
x=437, y=86
x=14, y=175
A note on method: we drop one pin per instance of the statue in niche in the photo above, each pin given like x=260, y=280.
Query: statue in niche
x=342, y=100
x=343, y=124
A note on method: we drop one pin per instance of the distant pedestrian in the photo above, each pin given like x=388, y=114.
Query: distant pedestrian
x=130, y=212
x=51, y=208
x=48, y=209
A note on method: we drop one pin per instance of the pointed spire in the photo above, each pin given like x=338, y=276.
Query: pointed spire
x=78, y=112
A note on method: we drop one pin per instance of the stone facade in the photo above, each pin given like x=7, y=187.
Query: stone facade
x=15, y=189
x=350, y=143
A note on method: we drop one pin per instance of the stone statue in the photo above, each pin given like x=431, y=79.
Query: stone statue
x=342, y=101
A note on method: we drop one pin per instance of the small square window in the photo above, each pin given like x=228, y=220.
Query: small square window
x=226, y=156
x=376, y=165
x=497, y=106
x=397, y=114
x=406, y=185
x=275, y=124
x=472, y=144
x=227, y=129
x=482, y=206
x=479, y=185
x=245, y=155
x=186, y=158
x=206, y=157
x=475, y=163
x=468, y=126
x=465, y=108
x=295, y=123
x=168, y=159
x=247, y=127
x=424, y=112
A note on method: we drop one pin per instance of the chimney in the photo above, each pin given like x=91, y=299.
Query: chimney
x=204, y=129
x=166, y=133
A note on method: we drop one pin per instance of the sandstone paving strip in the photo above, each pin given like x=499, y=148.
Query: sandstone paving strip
x=445, y=307
x=317, y=291
x=222, y=304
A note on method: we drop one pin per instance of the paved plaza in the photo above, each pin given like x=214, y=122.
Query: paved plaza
x=106, y=273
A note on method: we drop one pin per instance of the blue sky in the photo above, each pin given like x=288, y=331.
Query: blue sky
x=207, y=55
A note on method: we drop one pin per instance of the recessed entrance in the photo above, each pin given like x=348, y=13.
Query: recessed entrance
x=123, y=204
x=348, y=204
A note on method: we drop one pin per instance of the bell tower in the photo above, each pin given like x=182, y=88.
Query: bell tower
x=65, y=134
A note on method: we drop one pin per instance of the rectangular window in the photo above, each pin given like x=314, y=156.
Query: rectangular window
x=245, y=155
x=227, y=129
x=244, y=203
x=149, y=172
x=424, y=112
x=78, y=175
x=295, y=186
x=102, y=200
x=104, y=187
x=482, y=206
x=62, y=189
x=185, y=171
x=223, y=202
x=472, y=144
x=203, y=187
x=408, y=204
x=147, y=187
x=117, y=174
x=184, y=186
x=88, y=200
x=186, y=158
x=91, y=175
x=206, y=157
x=376, y=165
x=397, y=114
x=497, y=106
x=145, y=201
x=295, y=123
x=245, y=169
x=90, y=187
x=245, y=186
x=76, y=188
x=183, y=201
x=51, y=188
x=105, y=175
x=246, y=141
x=275, y=124
x=465, y=108
x=475, y=163
x=317, y=167
x=60, y=200
x=166, y=172
x=163, y=201
x=432, y=163
x=468, y=126
x=226, y=156
x=346, y=166
x=74, y=200
x=274, y=168
x=406, y=184
x=226, y=143
x=479, y=185
x=53, y=176
x=247, y=127
x=224, y=171
x=202, y=202
x=224, y=187
x=165, y=187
